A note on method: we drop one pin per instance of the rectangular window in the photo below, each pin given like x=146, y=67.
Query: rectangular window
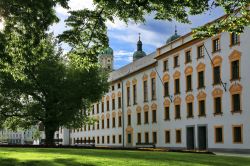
x=102, y=123
x=201, y=83
x=216, y=44
x=167, y=116
x=234, y=39
x=200, y=52
x=146, y=137
x=236, y=103
x=189, y=83
x=237, y=134
x=154, y=137
x=177, y=86
x=138, y=118
x=134, y=93
x=218, y=134
x=97, y=108
x=176, y=61
x=235, y=70
x=107, y=105
x=166, y=89
x=119, y=102
x=98, y=124
x=129, y=138
x=103, y=140
x=108, y=123
x=154, y=116
x=113, y=122
x=129, y=120
x=153, y=89
x=217, y=101
x=102, y=106
x=120, y=121
x=167, y=137
x=177, y=112
x=145, y=90
x=202, y=108
x=113, y=87
x=108, y=139
x=113, y=139
x=120, y=139
x=165, y=65
x=190, y=110
x=113, y=104
x=217, y=75
x=128, y=96
x=119, y=85
x=138, y=137
x=188, y=56
x=178, y=136
x=146, y=117
x=98, y=139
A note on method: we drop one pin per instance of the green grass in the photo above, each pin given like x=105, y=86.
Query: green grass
x=96, y=157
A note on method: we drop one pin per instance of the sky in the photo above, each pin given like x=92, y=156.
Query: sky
x=123, y=38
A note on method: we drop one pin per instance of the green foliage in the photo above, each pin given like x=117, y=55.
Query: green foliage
x=87, y=34
x=179, y=10
x=40, y=84
x=52, y=91
x=37, y=135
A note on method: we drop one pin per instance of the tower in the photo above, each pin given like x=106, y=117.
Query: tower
x=106, y=58
x=139, y=53
x=173, y=37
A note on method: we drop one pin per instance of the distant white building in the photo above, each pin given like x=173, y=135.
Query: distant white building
x=17, y=137
x=189, y=94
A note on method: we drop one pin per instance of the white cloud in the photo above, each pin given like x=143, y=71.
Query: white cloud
x=75, y=5
x=129, y=34
x=123, y=55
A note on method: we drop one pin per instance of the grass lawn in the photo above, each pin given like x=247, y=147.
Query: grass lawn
x=96, y=157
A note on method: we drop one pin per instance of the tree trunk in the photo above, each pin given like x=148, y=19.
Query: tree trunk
x=49, y=135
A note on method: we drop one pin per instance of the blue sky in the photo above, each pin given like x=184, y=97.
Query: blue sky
x=123, y=38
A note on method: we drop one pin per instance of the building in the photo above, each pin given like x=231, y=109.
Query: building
x=188, y=94
x=17, y=137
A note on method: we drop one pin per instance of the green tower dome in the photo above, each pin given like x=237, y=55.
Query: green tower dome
x=139, y=53
x=108, y=51
x=173, y=37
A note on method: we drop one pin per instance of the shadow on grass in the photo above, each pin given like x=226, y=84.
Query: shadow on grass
x=148, y=157
x=62, y=162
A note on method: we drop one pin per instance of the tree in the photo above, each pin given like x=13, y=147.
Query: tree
x=236, y=18
x=53, y=91
x=39, y=84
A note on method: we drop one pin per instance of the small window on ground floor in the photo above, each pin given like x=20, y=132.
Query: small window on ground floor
x=167, y=136
x=154, y=137
x=178, y=136
x=218, y=134
x=237, y=134
x=120, y=139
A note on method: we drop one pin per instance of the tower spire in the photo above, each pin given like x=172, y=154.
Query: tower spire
x=139, y=53
x=139, y=43
x=175, y=31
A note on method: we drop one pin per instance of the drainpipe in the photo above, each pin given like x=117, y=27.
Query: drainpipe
x=123, y=129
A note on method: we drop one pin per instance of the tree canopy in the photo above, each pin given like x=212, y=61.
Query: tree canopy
x=237, y=13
